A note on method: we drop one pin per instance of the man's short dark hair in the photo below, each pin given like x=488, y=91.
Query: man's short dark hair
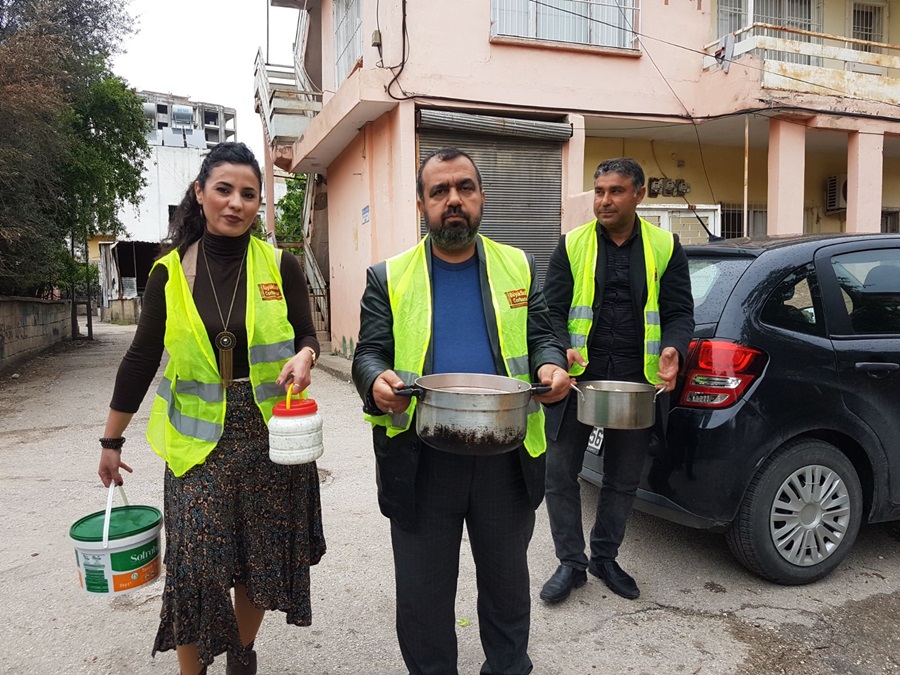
x=624, y=166
x=443, y=155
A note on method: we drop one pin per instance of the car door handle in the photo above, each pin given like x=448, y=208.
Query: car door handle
x=876, y=369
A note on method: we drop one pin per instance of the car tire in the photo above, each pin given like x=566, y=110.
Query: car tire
x=789, y=533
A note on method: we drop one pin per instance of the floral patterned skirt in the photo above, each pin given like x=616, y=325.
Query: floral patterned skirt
x=238, y=518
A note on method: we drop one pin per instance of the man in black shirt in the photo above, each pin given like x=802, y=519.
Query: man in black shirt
x=597, y=291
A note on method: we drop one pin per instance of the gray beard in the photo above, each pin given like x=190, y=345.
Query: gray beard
x=452, y=240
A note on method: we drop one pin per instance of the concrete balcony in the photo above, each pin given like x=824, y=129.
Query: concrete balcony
x=782, y=59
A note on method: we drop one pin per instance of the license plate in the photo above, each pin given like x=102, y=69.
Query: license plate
x=595, y=441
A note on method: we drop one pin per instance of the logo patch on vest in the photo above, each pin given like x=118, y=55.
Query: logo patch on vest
x=269, y=291
x=517, y=298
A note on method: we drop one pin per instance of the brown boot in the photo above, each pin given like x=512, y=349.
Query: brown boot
x=233, y=665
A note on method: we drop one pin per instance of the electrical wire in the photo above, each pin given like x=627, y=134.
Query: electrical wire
x=404, y=57
x=712, y=237
x=761, y=69
x=662, y=75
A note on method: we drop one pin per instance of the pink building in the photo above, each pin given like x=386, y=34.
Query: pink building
x=748, y=116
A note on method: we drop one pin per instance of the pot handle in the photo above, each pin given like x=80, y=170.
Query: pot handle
x=537, y=390
x=418, y=392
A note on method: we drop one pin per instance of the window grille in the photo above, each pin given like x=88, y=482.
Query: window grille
x=867, y=23
x=604, y=23
x=347, y=38
x=803, y=14
x=733, y=221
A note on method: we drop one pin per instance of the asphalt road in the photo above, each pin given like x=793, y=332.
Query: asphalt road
x=699, y=611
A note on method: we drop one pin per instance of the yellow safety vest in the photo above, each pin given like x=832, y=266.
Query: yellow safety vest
x=188, y=412
x=581, y=247
x=409, y=290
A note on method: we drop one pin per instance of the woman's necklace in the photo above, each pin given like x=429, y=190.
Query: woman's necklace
x=225, y=340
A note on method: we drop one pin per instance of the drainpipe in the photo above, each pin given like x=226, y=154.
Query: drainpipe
x=746, y=225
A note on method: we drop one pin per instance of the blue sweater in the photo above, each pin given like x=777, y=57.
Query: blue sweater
x=460, y=337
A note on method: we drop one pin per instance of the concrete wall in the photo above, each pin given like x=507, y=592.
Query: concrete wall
x=125, y=311
x=28, y=326
x=371, y=213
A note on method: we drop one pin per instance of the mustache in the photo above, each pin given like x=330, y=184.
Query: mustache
x=454, y=211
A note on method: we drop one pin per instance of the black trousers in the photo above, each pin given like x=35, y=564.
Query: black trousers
x=624, y=452
x=487, y=494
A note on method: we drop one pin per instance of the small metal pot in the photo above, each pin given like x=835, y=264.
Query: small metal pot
x=470, y=414
x=616, y=405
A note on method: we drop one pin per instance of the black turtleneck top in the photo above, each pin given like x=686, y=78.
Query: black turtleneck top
x=142, y=360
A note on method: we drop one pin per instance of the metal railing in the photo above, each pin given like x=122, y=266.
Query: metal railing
x=317, y=283
x=788, y=44
x=305, y=88
x=266, y=78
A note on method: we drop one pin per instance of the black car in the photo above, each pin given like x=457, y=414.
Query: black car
x=784, y=431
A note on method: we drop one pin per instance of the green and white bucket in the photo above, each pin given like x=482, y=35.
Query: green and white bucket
x=117, y=550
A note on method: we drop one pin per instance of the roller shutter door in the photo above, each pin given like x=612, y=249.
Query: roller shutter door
x=522, y=180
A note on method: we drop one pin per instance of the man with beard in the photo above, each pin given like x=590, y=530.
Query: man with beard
x=457, y=302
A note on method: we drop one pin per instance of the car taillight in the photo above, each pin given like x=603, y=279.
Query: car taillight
x=719, y=372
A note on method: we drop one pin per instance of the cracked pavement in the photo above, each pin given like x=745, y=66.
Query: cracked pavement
x=699, y=613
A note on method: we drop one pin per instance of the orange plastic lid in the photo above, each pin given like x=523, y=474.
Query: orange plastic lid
x=305, y=406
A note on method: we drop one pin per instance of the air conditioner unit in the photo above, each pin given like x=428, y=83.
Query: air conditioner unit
x=836, y=193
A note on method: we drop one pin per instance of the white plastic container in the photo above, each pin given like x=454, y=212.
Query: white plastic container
x=295, y=432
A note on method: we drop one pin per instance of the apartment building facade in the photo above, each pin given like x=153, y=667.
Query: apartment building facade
x=181, y=131
x=748, y=116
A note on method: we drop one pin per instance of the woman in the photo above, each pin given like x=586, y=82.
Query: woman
x=234, y=316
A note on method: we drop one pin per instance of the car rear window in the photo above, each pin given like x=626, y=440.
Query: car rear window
x=712, y=280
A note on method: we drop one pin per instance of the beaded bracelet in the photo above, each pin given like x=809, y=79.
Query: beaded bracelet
x=112, y=443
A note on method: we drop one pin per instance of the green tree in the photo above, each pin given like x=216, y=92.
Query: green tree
x=73, y=139
x=289, y=211
x=33, y=144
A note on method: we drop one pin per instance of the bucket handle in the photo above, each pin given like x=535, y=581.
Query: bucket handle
x=109, y=501
x=290, y=392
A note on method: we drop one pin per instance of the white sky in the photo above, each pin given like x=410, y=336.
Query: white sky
x=206, y=49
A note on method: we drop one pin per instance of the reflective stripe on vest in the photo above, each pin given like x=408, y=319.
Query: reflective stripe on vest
x=581, y=248
x=409, y=290
x=188, y=412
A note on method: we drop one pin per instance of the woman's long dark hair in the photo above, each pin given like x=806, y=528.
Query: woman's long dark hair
x=188, y=224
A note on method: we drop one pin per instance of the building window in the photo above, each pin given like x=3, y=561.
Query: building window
x=347, y=38
x=603, y=23
x=733, y=221
x=803, y=14
x=867, y=23
x=732, y=16
x=890, y=222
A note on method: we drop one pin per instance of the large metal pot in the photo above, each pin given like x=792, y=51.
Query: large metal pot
x=616, y=405
x=469, y=414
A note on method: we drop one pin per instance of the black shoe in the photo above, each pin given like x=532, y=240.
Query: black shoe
x=234, y=667
x=618, y=580
x=562, y=582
